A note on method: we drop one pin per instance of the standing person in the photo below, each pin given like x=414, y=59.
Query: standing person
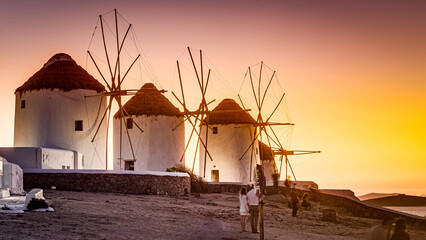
x=244, y=208
x=305, y=201
x=400, y=233
x=382, y=231
x=253, y=201
x=294, y=202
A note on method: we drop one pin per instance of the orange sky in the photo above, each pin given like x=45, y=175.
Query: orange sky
x=353, y=73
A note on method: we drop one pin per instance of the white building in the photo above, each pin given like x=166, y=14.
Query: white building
x=231, y=131
x=162, y=142
x=52, y=110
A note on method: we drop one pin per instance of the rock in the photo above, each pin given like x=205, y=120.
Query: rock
x=34, y=193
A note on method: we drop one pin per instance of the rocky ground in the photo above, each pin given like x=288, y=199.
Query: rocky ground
x=85, y=215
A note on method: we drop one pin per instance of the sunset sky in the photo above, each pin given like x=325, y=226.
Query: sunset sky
x=353, y=71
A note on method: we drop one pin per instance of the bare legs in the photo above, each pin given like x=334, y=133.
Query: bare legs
x=243, y=223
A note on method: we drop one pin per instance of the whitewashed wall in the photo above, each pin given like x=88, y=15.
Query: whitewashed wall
x=157, y=148
x=226, y=148
x=268, y=170
x=42, y=158
x=48, y=120
x=11, y=177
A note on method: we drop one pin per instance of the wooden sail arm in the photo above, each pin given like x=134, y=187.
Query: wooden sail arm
x=293, y=152
x=264, y=124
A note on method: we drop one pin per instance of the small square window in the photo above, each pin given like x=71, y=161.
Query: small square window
x=79, y=125
x=22, y=104
x=129, y=165
x=214, y=130
x=129, y=123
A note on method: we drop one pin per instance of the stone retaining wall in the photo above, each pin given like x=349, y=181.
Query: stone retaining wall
x=109, y=181
x=225, y=187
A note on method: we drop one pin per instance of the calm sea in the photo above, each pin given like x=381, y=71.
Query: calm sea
x=419, y=211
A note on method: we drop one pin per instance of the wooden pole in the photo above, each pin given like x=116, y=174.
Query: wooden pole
x=121, y=136
x=205, y=152
x=254, y=140
x=266, y=90
x=260, y=79
x=251, y=157
x=105, y=47
x=286, y=167
x=127, y=130
x=261, y=225
x=131, y=65
x=102, y=120
x=107, y=129
x=119, y=50
x=96, y=65
x=252, y=87
x=195, y=157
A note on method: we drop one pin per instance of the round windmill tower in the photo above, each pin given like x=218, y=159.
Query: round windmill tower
x=267, y=158
x=230, y=130
x=52, y=110
x=156, y=133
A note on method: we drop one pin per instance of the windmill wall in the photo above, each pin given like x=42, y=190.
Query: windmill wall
x=268, y=169
x=157, y=148
x=226, y=147
x=48, y=119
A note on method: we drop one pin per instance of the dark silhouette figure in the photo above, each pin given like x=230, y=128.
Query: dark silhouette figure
x=253, y=201
x=305, y=201
x=400, y=233
x=294, y=202
x=382, y=231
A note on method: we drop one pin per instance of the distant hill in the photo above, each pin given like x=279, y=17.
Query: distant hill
x=376, y=195
x=341, y=192
x=398, y=200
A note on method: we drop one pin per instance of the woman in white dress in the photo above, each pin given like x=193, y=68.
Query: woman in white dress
x=244, y=208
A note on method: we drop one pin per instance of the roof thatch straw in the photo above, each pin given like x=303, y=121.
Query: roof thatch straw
x=149, y=101
x=229, y=112
x=61, y=72
x=266, y=153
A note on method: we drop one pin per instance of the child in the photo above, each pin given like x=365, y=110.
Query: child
x=244, y=208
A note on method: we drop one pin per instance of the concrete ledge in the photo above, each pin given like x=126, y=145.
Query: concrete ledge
x=130, y=182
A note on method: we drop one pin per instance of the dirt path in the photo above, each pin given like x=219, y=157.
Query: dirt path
x=81, y=215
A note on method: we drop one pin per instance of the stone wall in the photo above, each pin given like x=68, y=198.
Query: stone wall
x=109, y=181
x=225, y=187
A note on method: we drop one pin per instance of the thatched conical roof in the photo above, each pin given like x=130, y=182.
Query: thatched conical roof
x=61, y=72
x=266, y=153
x=229, y=112
x=151, y=102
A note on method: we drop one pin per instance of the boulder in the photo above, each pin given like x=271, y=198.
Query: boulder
x=34, y=193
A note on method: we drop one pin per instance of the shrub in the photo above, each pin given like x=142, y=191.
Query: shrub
x=197, y=183
x=36, y=203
